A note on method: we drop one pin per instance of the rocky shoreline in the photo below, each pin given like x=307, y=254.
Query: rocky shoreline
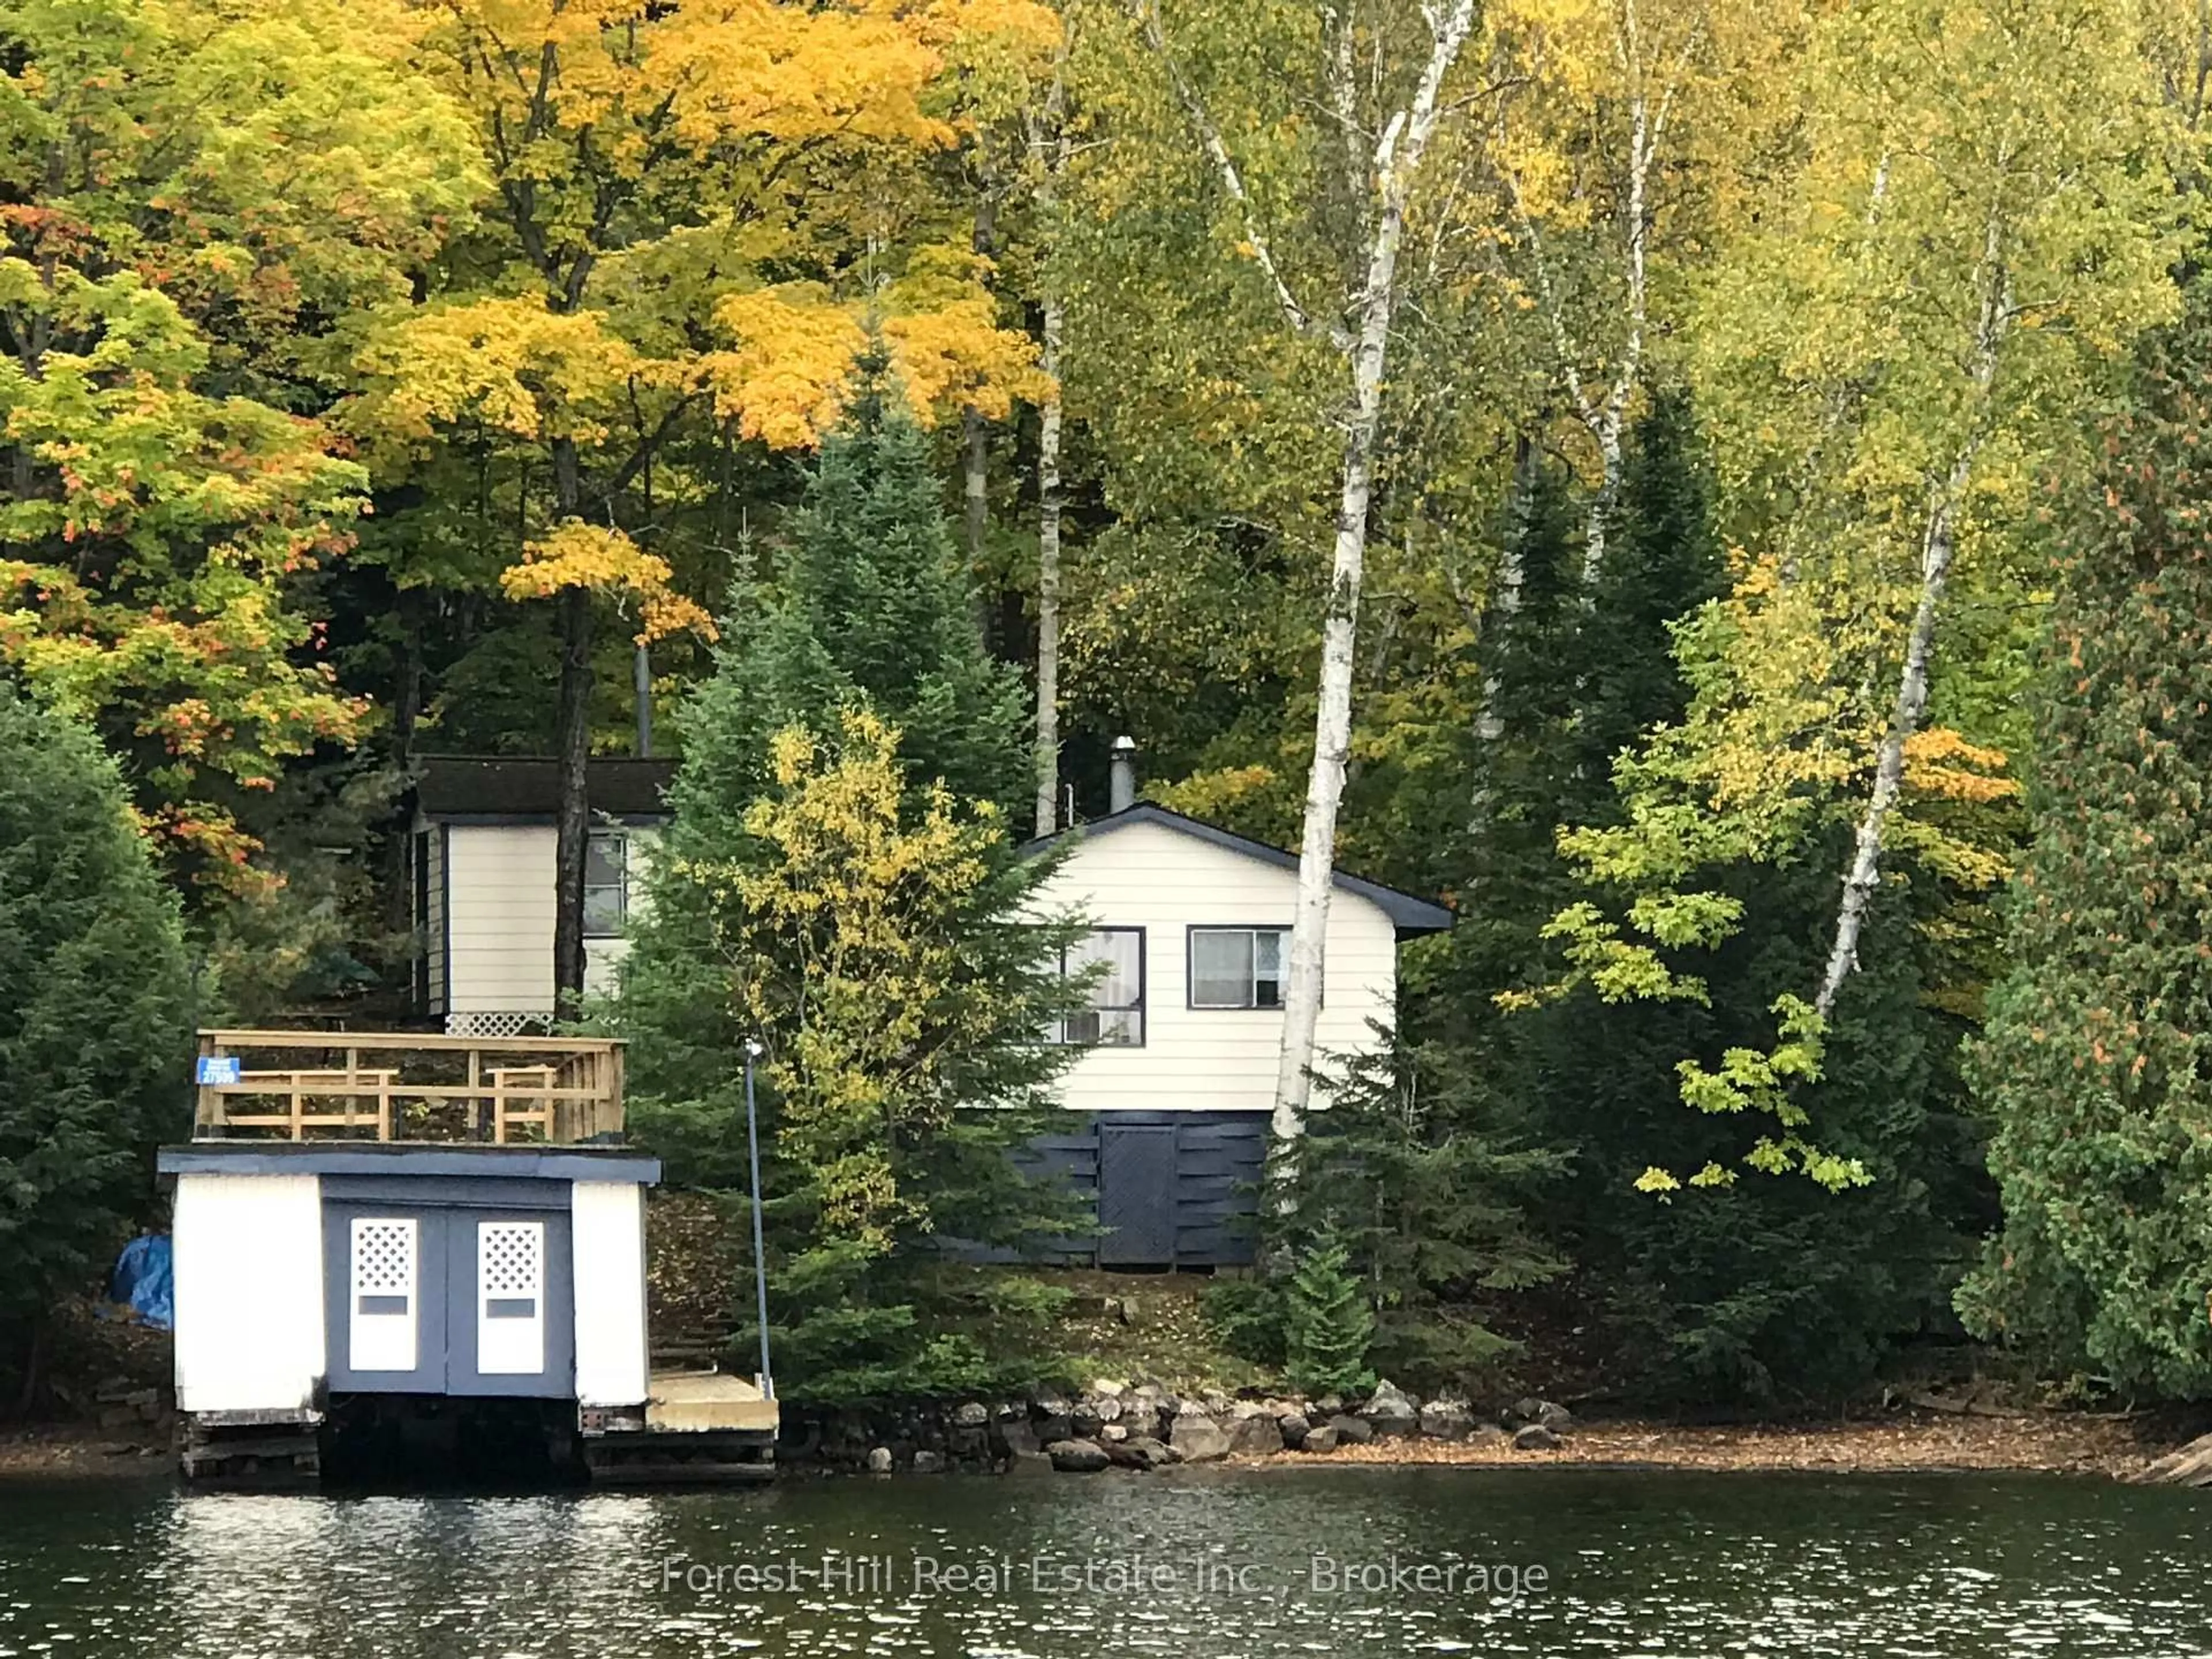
x=1118, y=1427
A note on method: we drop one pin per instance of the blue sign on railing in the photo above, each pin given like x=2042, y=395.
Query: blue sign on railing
x=218, y=1068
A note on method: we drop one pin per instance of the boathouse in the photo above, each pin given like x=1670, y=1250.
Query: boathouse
x=420, y=1236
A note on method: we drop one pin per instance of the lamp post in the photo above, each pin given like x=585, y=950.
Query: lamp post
x=753, y=1052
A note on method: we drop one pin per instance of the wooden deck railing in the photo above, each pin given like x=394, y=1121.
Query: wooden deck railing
x=369, y=1085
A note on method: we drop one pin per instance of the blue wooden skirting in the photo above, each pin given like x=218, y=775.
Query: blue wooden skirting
x=1206, y=1208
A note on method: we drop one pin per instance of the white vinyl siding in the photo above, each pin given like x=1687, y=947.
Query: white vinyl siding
x=1148, y=876
x=499, y=893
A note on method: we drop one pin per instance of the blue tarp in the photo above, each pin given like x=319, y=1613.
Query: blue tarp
x=144, y=1278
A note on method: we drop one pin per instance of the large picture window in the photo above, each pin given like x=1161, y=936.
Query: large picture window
x=1115, y=1017
x=1238, y=967
x=606, y=885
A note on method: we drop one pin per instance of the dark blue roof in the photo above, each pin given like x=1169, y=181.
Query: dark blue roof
x=1408, y=914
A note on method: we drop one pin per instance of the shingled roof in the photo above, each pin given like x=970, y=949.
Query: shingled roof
x=525, y=788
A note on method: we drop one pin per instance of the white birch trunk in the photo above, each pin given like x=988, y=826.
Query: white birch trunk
x=1048, y=506
x=1395, y=170
x=1938, y=547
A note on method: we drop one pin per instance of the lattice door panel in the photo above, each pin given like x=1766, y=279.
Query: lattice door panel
x=510, y=1298
x=383, y=1290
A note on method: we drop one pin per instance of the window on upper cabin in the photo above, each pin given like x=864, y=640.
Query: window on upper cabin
x=1115, y=1017
x=606, y=884
x=1238, y=967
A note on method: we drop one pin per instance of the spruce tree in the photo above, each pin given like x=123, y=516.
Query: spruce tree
x=2091, y=1064
x=1329, y=1323
x=839, y=881
x=94, y=1050
x=1404, y=1173
x=870, y=601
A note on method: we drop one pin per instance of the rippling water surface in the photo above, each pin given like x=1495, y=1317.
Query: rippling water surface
x=1201, y=1563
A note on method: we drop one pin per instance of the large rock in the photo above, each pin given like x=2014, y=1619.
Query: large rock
x=1390, y=1412
x=929, y=1462
x=1140, y=1452
x=1531, y=1409
x=879, y=1460
x=1534, y=1436
x=1078, y=1456
x=1198, y=1437
x=1351, y=1431
x=1447, y=1418
x=1294, y=1428
x=1322, y=1439
x=1054, y=1425
x=1254, y=1435
x=972, y=1415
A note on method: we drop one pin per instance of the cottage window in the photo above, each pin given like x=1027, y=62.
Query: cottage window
x=1115, y=1017
x=1238, y=967
x=606, y=885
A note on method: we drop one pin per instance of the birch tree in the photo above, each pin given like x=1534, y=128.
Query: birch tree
x=1621, y=140
x=1981, y=224
x=1050, y=143
x=1385, y=122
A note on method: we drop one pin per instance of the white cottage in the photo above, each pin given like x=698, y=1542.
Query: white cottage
x=1177, y=1074
x=1181, y=1046
x=484, y=888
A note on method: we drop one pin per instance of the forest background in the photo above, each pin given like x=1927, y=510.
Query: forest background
x=1708, y=488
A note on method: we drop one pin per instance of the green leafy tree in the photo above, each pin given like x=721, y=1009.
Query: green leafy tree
x=94, y=1022
x=867, y=931
x=2092, y=1063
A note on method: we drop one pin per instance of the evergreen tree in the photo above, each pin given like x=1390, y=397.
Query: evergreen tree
x=1400, y=1174
x=2091, y=1064
x=1761, y=1290
x=1328, y=1324
x=94, y=1022
x=832, y=884
x=871, y=602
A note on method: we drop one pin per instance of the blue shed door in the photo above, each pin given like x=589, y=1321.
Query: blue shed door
x=430, y=1299
x=1136, y=1195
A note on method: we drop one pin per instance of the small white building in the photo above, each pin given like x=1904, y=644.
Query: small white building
x=484, y=888
x=1181, y=1048
x=426, y=1236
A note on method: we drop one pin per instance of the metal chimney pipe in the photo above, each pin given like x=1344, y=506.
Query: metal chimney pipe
x=1122, y=775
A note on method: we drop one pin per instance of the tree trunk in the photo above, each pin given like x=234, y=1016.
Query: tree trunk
x=1937, y=547
x=406, y=712
x=1049, y=505
x=34, y=1367
x=976, y=435
x=1864, y=876
x=1332, y=721
x=1396, y=169
x=572, y=745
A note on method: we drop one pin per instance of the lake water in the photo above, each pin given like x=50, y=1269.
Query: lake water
x=1214, y=1563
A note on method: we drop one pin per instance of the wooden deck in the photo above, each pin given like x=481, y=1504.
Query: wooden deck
x=409, y=1086
x=706, y=1402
